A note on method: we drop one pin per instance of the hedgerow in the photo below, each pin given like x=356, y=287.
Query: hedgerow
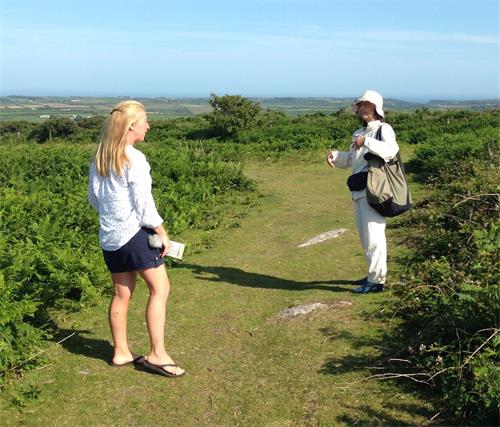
x=449, y=294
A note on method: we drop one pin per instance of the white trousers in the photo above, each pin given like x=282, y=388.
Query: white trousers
x=371, y=229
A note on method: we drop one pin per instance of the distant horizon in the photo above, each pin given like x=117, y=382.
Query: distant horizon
x=411, y=99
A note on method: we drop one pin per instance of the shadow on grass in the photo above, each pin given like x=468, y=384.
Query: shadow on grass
x=80, y=343
x=98, y=349
x=383, y=416
x=237, y=276
x=375, y=356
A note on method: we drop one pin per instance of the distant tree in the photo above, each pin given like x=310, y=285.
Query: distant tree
x=55, y=128
x=16, y=127
x=94, y=122
x=231, y=114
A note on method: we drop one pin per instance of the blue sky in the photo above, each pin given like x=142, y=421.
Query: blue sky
x=407, y=49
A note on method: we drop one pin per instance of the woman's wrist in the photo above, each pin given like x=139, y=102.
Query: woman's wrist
x=160, y=230
x=165, y=239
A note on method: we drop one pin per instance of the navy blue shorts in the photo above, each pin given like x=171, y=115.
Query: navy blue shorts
x=136, y=254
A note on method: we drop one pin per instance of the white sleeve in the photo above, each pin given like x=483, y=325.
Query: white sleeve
x=341, y=159
x=139, y=180
x=387, y=148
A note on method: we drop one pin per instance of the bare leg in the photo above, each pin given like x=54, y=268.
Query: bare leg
x=159, y=287
x=124, y=284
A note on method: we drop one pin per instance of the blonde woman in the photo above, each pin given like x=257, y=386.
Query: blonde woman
x=120, y=191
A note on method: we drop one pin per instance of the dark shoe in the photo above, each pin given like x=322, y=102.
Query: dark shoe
x=369, y=287
x=360, y=282
x=160, y=369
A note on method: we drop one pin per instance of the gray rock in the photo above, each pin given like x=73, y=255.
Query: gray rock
x=323, y=236
x=301, y=310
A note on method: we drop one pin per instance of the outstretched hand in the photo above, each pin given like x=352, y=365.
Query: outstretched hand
x=331, y=158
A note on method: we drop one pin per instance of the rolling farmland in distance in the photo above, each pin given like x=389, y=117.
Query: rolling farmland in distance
x=37, y=109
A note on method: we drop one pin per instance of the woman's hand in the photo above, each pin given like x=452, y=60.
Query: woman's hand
x=332, y=156
x=160, y=230
x=358, y=142
x=166, y=244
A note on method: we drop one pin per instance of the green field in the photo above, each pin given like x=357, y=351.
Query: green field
x=34, y=108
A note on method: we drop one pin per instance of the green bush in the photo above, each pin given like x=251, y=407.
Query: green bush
x=17, y=337
x=231, y=114
x=445, y=156
x=449, y=292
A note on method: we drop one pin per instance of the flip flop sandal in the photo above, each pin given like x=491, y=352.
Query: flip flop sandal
x=160, y=369
x=136, y=360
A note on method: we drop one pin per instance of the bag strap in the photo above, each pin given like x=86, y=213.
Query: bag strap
x=369, y=155
x=397, y=157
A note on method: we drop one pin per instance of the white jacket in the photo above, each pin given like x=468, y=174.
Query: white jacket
x=387, y=148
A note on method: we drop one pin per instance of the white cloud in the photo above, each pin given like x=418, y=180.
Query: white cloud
x=430, y=37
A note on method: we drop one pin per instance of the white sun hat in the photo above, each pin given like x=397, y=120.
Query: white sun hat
x=375, y=98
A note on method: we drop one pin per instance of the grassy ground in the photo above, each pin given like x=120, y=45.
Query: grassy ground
x=244, y=365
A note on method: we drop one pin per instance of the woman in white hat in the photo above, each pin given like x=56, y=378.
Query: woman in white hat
x=370, y=224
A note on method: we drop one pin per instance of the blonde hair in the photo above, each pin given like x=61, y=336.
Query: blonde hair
x=110, y=154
